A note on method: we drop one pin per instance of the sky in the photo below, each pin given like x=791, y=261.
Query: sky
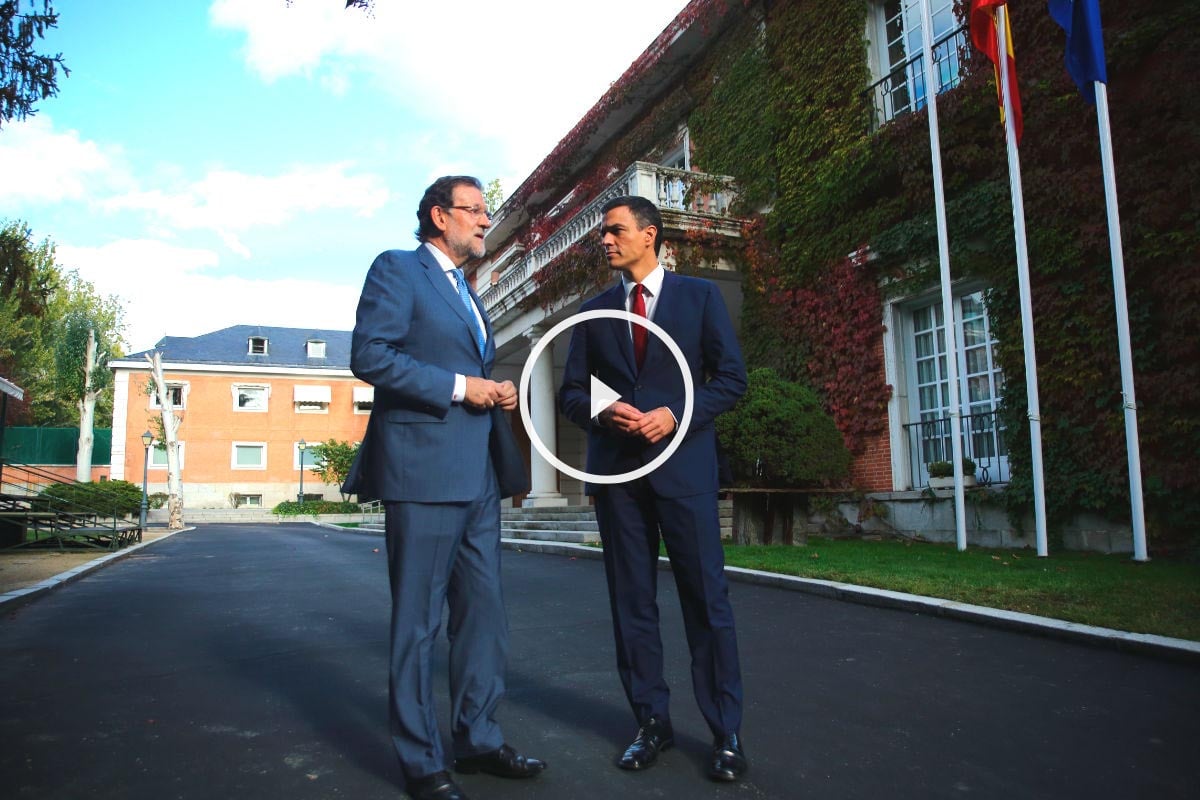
x=226, y=162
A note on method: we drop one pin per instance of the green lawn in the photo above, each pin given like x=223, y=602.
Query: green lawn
x=1162, y=596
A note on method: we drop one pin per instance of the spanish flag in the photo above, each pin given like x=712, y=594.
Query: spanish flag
x=983, y=34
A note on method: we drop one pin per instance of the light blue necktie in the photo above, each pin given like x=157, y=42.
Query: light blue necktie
x=465, y=296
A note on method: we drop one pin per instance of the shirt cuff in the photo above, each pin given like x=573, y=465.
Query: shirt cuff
x=460, y=389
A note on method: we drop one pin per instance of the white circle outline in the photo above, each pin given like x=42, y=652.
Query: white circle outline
x=681, y=429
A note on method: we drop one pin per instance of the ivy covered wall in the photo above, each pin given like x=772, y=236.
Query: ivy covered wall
x=787, y=115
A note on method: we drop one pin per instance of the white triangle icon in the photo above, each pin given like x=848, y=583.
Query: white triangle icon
x=602, y=396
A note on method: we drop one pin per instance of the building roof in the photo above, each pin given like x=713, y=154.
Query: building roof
x=286, y=347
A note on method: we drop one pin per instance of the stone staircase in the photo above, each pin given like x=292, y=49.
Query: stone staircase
x=552, y=524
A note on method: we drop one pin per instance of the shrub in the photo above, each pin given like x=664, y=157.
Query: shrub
x=944, y=469
x=290, y=508
x=110, y=498
x=779, y=435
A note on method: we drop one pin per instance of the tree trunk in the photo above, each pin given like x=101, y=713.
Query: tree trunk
x=170, y=425
x=87, y=413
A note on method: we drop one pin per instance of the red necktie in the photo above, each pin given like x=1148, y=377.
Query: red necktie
x=639, y=333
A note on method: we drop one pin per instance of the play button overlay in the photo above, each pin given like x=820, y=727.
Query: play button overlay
x=603, y=396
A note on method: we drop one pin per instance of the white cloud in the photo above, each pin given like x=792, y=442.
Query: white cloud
x=228, y=202
x=169, y=291
x=520, y=72
x=41, y=165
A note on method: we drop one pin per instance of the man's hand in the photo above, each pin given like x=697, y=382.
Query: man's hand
x=654, y=425
x=482, y=393
x=508, y=395
x=620, y=417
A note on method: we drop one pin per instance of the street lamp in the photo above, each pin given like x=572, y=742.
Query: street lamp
x=301, y=446
x=147, y=438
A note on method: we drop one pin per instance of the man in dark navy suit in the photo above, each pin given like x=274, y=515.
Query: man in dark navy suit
x=678, y=500
x=434, y=454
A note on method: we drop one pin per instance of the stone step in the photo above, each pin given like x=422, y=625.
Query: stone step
x=552, y=524
x=577, y=537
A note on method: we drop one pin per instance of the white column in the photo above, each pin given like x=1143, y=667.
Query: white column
x=543, y=410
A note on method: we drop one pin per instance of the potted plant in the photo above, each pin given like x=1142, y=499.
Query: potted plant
x=941, y=474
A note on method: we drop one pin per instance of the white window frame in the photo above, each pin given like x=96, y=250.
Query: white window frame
x=307, y=449
x=909, y=94
x=901, y=372
x=239, y=387
x=182, y=386
x=159, y=447
x=233, y=451
x=361, y=407
x=242, y=500
x=266, y=346
x=315, y=348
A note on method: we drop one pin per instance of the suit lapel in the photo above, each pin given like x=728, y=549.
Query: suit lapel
x=664, y=316
x=618, y=329
x=441, y=286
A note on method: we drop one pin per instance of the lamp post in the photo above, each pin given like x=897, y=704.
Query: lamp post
x=147, y=438
x=301, y=446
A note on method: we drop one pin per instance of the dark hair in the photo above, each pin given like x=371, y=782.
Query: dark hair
x=644, y=211
x=440, y=193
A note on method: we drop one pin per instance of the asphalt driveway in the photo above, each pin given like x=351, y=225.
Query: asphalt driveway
x=249, y=662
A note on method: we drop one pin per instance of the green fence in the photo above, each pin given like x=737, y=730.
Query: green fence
x=53, y=446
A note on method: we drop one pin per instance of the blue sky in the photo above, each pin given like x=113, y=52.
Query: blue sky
x=242, y=162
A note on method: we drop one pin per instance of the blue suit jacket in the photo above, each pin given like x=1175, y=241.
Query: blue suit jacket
x=693, y=313
x=411, y=336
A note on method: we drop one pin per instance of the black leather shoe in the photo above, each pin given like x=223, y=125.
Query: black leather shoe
x=503, y=763
x=728, y=761
x=438, y=786
x=653, y=737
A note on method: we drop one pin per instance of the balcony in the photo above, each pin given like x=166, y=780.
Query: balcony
x=903, y=90
x=983, y=441
x=686, y=199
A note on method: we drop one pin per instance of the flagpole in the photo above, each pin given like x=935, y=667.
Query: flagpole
x=1132, y=447
x=939, y=202
x=1018, y=205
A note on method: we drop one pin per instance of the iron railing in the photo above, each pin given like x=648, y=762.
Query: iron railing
x=903, y=89
x=984, y=441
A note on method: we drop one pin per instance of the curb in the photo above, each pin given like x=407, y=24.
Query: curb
x=1141, y=643
x=18, y=597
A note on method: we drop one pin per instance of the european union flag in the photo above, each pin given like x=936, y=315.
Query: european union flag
x=1085, y=42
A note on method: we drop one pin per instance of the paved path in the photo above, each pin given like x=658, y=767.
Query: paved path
x=242, y=662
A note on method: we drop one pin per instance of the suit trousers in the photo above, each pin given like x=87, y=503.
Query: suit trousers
x=631, y=517
x=445, y=554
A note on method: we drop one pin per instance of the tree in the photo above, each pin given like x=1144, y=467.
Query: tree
x=28, y=280
x=26, y=76
x=81, y=372
x=170, y=440
x=333, y=460
x=493, y=194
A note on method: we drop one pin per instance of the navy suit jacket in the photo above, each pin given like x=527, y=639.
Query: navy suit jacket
x=693, y=313
x=411, y=335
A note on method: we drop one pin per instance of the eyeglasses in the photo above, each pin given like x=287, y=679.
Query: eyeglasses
x=475, y=211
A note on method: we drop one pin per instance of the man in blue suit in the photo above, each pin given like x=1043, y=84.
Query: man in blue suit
x=433, y=452
x=678, y=500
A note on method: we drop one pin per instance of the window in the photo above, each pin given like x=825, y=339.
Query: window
x=176, y=393
x=257, y=346
x=312, y=399
x=247, y=500
x=250, y=398
x=364, y=399
x=895, y=33
x=249, y=455
x=316, y=348
x=307, y=454
x=981, y=383
x=158, y=455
